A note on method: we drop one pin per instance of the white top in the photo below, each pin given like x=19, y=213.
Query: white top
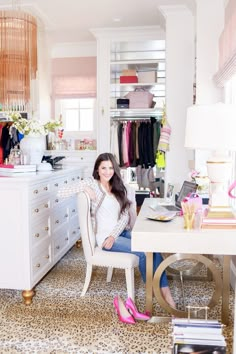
x=107, y=218
x=171, y=237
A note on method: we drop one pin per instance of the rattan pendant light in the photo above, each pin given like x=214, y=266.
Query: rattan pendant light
x=18, y=58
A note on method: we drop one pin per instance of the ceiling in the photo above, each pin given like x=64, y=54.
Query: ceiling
x=70, y=20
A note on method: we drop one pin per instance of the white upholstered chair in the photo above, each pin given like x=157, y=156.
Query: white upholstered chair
x=95, y=256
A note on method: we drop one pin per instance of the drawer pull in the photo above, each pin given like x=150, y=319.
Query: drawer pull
x=57, y=222
x=56, y=200
x=38, y=265
x=36, y=235
x=45, y=188
x=73, y=179
x=47, y=257
x=81, y=158
x=66, y=215
x=56, y=184
x=45, y=205
x=74, y=232
x=66, y=239
x=65, y=182
x=58, y=247
x=73, y=210
x=77, y=177
x=46, y=228
x=36, y=210
x=36, y=191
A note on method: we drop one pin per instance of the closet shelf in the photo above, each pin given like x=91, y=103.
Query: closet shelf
x=136, y=113
x=139, y=61
x=139, y=84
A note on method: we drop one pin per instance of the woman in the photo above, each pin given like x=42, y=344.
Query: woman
x=113, y=214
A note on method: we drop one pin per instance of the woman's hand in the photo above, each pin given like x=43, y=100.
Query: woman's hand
x=90, y=192
x=108, y=243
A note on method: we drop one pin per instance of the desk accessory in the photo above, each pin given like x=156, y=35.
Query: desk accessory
x=191, y=207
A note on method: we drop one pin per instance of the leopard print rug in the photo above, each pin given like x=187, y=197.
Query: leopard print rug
x=60, y=321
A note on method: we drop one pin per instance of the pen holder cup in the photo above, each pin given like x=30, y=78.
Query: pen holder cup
x=189, y=221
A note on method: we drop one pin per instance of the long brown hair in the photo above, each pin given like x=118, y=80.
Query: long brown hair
x=116, y=183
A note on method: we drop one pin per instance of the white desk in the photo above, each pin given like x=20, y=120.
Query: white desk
x=170, y=237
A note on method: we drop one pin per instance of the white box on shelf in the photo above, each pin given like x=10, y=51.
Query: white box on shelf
x=147, y=76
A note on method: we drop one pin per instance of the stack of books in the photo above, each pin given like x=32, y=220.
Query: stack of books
x=219, y=218
x=17, y=168
x=197, y=336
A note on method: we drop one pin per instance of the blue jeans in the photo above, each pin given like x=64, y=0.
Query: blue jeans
x=123, y=244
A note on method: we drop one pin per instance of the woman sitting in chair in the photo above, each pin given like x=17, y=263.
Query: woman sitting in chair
x=113, y=213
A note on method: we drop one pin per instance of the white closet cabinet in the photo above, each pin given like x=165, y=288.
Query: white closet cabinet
x=37, y=227
x=126, y=48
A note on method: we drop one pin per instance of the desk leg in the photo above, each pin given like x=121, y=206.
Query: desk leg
x=149, y=277
x=226, y=290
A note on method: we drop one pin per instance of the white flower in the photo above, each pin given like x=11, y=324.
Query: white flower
x=32, y=126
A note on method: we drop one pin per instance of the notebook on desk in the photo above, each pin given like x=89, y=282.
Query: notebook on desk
x=187, y=188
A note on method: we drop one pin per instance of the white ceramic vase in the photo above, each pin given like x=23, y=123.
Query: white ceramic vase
x=32, y=148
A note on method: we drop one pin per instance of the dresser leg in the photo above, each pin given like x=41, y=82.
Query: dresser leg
x=27, y=296
x=78, y=243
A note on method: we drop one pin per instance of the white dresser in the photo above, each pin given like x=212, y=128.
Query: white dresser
x=37, y=227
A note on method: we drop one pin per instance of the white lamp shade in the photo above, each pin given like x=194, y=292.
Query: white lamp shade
x=211, y=127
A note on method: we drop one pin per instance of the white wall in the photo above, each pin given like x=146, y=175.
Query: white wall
x=179, y=87
x=41, y=99
x=74, y=50
x=208, y=30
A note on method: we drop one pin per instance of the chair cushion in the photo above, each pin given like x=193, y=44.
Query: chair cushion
x=113, y=259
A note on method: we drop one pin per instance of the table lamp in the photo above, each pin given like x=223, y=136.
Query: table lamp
x=213, y=127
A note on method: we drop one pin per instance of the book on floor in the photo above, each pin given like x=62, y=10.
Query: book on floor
x=196, y=335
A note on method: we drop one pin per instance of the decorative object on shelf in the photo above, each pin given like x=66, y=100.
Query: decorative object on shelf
x=32, y=147
x=33, y=143
x=140, y=98
x=18, y=51
x=212, y=127
x=33, y=127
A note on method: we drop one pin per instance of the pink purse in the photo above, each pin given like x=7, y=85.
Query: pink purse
x=140, y=98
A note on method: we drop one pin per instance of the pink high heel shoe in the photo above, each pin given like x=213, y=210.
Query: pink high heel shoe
x=122, y=312
x=130, y=305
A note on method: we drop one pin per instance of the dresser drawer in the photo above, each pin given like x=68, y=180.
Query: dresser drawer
x=39, y=190
x=59, y=183
x=40, y=207
x=40, y=231
x=74, y=178
x=74, y=232
x=59, y=217
x=60, y=244
x=73, y=208
x=58, y=202
x=41, y=261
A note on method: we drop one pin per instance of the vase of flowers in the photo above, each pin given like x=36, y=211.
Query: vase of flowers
x=32, y=144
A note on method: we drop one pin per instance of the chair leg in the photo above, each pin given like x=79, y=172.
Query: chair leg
x=129, y=275
x=87, y=279
x=109, y=274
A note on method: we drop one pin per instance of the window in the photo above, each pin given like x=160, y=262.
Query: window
x=77, y=114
